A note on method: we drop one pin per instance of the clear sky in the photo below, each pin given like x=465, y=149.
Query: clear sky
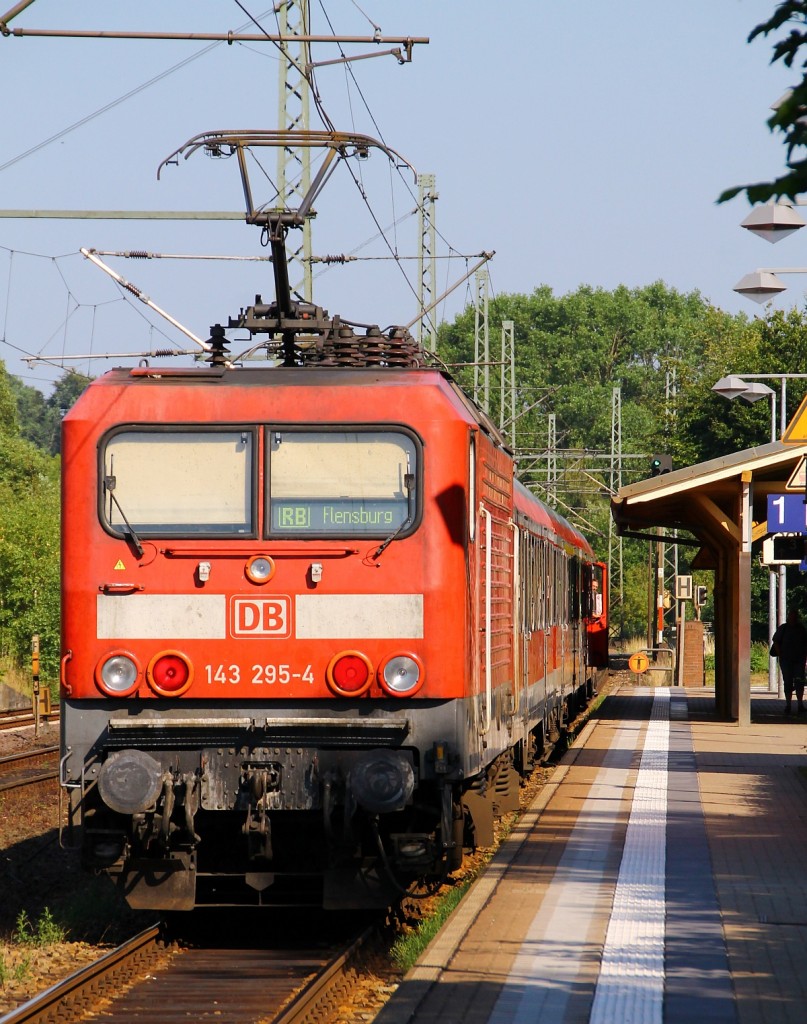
x=586, y=143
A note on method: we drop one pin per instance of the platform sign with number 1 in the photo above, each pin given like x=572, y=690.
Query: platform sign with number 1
x=787, y=513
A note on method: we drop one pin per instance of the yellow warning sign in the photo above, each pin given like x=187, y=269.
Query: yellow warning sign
x=798, y=478
x=638, y=662
x=119, y=566
x=796, y=430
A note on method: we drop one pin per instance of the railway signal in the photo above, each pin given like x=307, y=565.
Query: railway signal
x=660, y=464
x=35, y=678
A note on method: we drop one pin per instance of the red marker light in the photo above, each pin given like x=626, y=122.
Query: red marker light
x=169, y=673
x=350, y=673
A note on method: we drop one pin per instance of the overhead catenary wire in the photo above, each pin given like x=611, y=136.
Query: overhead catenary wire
x=382, y=233
x=112, y=104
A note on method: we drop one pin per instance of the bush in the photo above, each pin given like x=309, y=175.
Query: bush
x=46, y=931
x=759, y=657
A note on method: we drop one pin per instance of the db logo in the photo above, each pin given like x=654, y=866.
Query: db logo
x=259, y=617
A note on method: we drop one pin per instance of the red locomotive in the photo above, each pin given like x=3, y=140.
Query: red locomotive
x=313, y=628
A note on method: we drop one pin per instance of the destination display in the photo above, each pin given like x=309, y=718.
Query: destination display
x=337, y=517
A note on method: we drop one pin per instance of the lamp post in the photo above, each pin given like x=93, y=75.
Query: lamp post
x=732, y=387
x=772, y=221
x=738, y=386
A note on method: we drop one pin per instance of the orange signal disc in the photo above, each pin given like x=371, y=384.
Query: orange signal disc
x=638, y=662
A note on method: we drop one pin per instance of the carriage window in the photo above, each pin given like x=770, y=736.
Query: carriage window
x=596, y=590
x=179, y=483
x=341, y=483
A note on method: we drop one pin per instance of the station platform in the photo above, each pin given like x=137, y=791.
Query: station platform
x=660, y=877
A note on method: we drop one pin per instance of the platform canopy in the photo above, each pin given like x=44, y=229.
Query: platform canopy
x=723, y=504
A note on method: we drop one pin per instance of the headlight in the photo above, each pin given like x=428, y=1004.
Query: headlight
x=117, y=674
x=169, y=673
x=260, y=569
x=382, y=781
x=401, y=675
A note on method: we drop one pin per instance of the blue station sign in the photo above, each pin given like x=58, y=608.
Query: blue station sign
x=787, y=513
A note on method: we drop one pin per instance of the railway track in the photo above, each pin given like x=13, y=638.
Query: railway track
x=144, y=979
x=18, y=718
x=28, y=768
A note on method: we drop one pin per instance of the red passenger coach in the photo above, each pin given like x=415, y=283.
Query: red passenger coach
x=313, y=629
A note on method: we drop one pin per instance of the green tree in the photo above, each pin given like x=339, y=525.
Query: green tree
x=32, y=413
x=663, y=349
x=29, y=542
x=8, y=406
x=790, y=116
x=40, y=419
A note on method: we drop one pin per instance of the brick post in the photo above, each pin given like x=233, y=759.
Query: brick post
x=694, y=673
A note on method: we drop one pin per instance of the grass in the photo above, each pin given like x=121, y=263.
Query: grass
x=18, y=973
x=407, y=948
x=28, y=936
x=45, y=931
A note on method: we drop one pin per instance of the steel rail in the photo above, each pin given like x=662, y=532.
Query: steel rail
x=20, y=781
x=315, y=996
x=15, y=718
x=82, y=985
x=27, y=755
x=62, y=1000
x=26, y=768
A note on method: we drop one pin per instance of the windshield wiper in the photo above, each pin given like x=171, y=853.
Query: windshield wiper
x=409, y=480
x=109, y=487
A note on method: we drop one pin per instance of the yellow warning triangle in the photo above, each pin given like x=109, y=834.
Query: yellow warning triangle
x=798, y=478
x=796, y=430
x=119, y=565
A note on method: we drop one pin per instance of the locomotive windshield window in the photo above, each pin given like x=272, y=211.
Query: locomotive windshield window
x=179, y=483
x=341, y=483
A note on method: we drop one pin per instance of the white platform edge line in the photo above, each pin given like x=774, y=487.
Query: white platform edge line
x=630, y=986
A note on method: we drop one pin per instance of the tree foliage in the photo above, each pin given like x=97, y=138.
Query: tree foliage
x=29, y=542
x=40, y=418
x=663, y=350
x=790, y=115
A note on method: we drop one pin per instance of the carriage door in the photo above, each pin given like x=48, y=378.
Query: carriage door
x=574, y=571
x=496, y=590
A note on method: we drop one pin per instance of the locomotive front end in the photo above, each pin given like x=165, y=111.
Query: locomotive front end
x=256, y=709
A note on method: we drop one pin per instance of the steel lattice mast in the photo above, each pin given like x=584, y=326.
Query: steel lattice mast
x=482, y=341
x=427, y=258
x=294, y=164
x=507, y=402
x=615, y=552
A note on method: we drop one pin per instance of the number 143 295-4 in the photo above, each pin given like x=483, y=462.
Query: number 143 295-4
x=258, y=675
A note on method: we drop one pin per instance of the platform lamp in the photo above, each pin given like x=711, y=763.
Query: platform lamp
x=773, y=221
x=763, y=284
x=732, y=387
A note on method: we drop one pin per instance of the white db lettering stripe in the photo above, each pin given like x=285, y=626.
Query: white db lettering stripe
x=359, y=616
x=161, y=616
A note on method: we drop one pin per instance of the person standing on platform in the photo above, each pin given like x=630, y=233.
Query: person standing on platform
x=790, y=647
